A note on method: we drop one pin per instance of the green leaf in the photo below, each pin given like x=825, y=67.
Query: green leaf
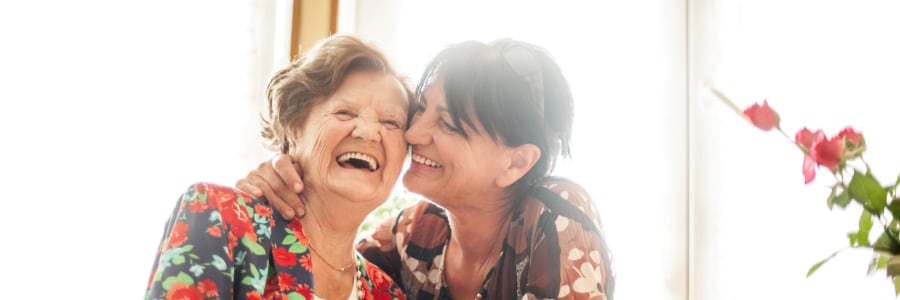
x=896, y=184
x=865, y=226
x=254, y=247
x=818, y=265
x=254, y=271
x=831, y=196
x=852, y=237
x=878, y=262
x=894, y=207
x=866, y=189
x=297, y=248
x=296, y=296
x=288, y=239
x=842, y=200
x=886, y=244
x=177, y=260
x=181, y=277
x=896, y=286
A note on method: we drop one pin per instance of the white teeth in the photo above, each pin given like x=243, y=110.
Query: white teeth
x=425, y=161
x=373, y=165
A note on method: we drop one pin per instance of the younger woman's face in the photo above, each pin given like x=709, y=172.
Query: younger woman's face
x=445, y=167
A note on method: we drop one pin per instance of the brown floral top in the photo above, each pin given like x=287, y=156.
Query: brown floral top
x=554, y=249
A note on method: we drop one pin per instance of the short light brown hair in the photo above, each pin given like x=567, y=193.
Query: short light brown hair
x=308, y=81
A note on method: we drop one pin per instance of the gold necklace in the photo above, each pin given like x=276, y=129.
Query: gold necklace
x=341, y=269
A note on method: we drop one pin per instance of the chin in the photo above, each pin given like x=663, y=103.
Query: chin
x=416, y=185
x=410, y=183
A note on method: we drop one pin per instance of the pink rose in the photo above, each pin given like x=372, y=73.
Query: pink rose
x=851, y=136
x=763, y=117
x=809, y=169
x=807, y=138
x=828, y=153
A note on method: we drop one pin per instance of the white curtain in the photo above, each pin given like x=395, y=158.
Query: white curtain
x=110, y=109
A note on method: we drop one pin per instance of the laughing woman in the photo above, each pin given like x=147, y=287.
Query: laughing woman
x=341, y=111
x=489, y=121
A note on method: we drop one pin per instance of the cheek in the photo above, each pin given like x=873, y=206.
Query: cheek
x=314, y=154
x=396, y=142
x=395, y=145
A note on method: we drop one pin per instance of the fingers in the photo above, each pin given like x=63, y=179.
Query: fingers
x=266, y=192
x=244, y=185
x=266, y=184
x=289, y=171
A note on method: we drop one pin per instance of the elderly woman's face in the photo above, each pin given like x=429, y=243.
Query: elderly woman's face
x=352, y=144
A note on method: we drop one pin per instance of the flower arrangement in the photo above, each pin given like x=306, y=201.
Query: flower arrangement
x=842, y=156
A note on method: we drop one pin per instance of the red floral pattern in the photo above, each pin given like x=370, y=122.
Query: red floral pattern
x=219, y=243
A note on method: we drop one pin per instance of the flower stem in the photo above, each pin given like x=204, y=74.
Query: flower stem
x=788, y=137
x=730, y=104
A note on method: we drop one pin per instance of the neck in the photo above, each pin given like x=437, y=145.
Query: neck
x=477, y=232
x=338, y=216
x=476, y=237
x=331, y=225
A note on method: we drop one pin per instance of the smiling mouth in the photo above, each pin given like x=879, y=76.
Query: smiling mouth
x=357, y=160
x=425, y=161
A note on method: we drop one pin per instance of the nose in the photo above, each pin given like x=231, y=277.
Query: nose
x=419, y=132
x=367, y=130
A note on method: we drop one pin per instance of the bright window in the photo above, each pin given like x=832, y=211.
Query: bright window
x=822, y=64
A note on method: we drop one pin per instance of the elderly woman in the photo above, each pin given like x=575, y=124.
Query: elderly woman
x=341, y=111
x=489, y=121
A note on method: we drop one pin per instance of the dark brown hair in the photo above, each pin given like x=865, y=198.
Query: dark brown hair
x=515, y=90
x=294, y=90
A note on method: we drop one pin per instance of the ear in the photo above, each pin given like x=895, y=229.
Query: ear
x=519, y=161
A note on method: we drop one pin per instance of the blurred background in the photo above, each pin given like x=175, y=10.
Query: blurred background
x=110, y=109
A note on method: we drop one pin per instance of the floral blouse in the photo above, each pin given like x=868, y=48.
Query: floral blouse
x=554, y=249
x=220, y=243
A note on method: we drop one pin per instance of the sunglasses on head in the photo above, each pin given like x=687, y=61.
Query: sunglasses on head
x=526, y=65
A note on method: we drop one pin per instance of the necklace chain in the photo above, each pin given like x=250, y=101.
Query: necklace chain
x=339, y=269
x=357, y=284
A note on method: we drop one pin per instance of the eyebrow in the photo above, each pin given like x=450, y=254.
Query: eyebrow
x=440, y=109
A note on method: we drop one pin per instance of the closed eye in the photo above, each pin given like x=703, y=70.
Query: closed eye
x=449, y=127
x=344, y=114
x=391, y=124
